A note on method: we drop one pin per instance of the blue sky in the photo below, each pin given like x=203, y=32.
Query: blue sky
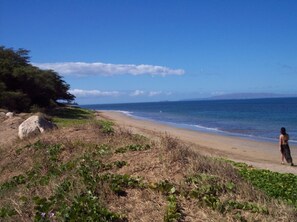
x=145, y=50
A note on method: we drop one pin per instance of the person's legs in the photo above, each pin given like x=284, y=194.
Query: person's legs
x=286, y=153
x=282, y=155
x=283, y=158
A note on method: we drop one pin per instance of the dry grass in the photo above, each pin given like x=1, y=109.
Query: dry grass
x=194, y=163
x=168, y=164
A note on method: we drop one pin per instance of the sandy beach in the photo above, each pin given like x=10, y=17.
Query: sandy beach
x=263, y=155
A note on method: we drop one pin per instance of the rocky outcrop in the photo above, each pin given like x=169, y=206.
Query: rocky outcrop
x=33, y=126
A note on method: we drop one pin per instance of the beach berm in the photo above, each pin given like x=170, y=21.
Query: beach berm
x=104, y=167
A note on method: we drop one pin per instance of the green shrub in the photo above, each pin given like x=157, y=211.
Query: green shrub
x=120, y=164
x=173, y=213
x=132, y=147
x=87, y=207
x=165, y=187
x=7, y=212
x=106, y=126
x=118, y=183
x=15, y=181
x=274, y=184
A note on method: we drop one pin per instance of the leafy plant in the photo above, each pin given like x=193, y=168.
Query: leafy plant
x=118, y=183
x=38, y=145
x=132, y=147
x=7, y=212
x=121, y=150
x=232, y=204
x=274, y=184
x=120, y=164
x=43, y=208
x=54, y=150
x=102, y=149
x=165, y=187
x=87, y=207
x=137, y=147
x=106, y=126
x=208, y=189
x=173, y=213
x=63, y=188
x=15, y=181
x=206, y=185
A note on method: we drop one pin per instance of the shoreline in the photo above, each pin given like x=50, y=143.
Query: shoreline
x=264, y=155
x=203, y=129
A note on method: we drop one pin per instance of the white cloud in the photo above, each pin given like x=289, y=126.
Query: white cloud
x=217, y=93
x=154, y=93
x=137, y=93
x=98, y=93
x=107, y=69
x=94, y=93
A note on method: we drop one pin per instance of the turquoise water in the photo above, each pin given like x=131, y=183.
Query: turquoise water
x=258, y=119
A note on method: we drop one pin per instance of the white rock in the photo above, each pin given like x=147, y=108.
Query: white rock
x=33, y=126
x=9, y=114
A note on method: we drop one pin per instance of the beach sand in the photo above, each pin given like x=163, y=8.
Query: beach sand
x=264, y=155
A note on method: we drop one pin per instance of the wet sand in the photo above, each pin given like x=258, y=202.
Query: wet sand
x=263, y=155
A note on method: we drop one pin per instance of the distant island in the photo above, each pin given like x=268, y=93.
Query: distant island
x=245, y=96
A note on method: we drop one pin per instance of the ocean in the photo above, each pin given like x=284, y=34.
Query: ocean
x=255, y=119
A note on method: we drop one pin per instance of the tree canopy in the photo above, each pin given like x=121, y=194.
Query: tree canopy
x=23, y=85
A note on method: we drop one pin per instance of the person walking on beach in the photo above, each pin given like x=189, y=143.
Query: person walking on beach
x=284, y=146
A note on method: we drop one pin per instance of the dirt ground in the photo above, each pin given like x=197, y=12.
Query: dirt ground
x=9, y=128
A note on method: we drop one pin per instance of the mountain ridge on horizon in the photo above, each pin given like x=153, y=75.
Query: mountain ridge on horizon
x=232, y=96
x=245, y=96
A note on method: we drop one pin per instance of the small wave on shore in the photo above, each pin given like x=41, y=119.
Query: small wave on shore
x=127, y=113
x=201, y=128
x=258, y=119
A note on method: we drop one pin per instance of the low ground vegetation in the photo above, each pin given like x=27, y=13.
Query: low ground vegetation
x=92, y=170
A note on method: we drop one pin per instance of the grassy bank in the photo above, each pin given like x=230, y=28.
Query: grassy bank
x=92, y=170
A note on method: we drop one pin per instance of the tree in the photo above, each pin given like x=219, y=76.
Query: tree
x=23, y=85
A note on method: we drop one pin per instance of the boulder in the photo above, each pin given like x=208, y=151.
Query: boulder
x=9, y=114
x=34, y=125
